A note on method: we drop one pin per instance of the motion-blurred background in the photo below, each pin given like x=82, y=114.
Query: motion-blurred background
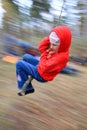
x=62, y=103
x=30, y=20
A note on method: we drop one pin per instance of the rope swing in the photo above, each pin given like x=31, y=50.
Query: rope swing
x=61, y=12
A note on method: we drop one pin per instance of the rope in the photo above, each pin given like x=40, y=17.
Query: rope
x=22, y=93
x=61, y=11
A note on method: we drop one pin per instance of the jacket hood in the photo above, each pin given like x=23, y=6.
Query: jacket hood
x=65, y=36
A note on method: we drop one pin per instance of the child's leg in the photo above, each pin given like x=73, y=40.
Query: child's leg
x=31, y=59
x=25, y=69
x=22, y=76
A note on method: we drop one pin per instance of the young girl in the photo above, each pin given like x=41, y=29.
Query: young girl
x=54, y=57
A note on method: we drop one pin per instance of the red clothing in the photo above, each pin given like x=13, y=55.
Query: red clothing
x=49, y=68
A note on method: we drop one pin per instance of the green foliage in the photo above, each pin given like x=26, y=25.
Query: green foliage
x=10, y=7
x=38, y=7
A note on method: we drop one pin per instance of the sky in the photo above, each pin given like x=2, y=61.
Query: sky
x=54, y=11
x=2, y=11
x=55, y=4
x=28, y=3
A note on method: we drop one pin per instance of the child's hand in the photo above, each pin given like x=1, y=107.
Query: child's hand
x=50, y=52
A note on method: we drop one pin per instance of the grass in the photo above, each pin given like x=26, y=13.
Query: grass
x=79, y=46
x=57, y=105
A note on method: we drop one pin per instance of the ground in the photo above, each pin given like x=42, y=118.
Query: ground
x=57, y=105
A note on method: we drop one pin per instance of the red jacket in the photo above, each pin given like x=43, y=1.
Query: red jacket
x=49, y=68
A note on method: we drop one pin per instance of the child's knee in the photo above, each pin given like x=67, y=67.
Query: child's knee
x=26, y=56
x=18, y=63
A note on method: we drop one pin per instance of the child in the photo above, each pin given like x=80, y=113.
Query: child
x=54, y=57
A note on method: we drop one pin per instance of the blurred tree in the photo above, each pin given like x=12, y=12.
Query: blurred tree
x=10, y=17
x=11, y=8
x=38, y=7
x=82, y=5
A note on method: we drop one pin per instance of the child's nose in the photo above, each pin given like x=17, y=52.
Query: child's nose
x=51, y=46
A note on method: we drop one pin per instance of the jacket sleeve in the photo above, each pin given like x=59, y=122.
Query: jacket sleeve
x=44, y=44
x=55, y=63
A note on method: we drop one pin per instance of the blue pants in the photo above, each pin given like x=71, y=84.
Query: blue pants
x=27, y=67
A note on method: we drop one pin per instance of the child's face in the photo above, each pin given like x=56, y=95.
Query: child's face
x=54, y=47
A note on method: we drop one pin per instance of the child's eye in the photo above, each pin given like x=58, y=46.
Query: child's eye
x=54, y=45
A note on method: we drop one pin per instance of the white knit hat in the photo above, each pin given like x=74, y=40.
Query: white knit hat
x=54, y=39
